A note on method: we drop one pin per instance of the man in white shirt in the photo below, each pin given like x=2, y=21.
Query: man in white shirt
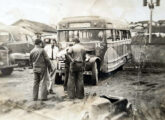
x=52, y=51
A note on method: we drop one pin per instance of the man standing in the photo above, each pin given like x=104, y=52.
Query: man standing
x=75, y=83
x=67, y=66
x=52, y=51
x=40, y=62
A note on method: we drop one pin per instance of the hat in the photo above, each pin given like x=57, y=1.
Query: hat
x=37, y=41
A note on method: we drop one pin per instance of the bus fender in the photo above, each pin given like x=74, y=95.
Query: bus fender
x=93, y=59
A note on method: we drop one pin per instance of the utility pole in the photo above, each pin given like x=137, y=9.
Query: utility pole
x=151, y=4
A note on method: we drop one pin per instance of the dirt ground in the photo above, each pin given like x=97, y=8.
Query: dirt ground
x=145, y=91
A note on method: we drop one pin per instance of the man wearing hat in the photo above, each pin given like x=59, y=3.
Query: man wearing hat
x=75, y=86
x=40, y=62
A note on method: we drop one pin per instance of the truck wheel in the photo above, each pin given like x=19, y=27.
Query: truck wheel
x=58, y=79
x=95, y=74
x=7, y=71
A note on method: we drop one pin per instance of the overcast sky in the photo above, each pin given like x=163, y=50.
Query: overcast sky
x=51, y=11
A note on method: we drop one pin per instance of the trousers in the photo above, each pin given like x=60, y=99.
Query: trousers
x=66, y=78
x=40, y=77
x=51, y=78
x=75, y=86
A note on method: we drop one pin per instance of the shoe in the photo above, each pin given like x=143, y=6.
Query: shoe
x=34, y=99
x=51, y=92
x=71, y=97
x=44, y=99
x=80, y=97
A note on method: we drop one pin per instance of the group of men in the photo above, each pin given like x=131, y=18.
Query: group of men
x=43, y=61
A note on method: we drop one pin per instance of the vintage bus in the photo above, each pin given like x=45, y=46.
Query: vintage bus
x=107, y=43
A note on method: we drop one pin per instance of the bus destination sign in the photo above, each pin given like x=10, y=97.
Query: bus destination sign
x=79, y=25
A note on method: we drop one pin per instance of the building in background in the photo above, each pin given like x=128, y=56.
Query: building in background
x=37, y=27
x=141, y=28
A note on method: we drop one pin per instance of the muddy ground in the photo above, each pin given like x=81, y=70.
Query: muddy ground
x=145, y=91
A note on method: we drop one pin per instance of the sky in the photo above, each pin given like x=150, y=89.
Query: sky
x=52, y=11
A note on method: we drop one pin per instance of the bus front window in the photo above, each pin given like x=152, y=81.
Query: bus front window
x=83, y=35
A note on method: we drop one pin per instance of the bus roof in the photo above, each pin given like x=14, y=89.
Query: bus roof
x=115, y=24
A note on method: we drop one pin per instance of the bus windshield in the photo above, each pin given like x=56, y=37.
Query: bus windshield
x=83, y=35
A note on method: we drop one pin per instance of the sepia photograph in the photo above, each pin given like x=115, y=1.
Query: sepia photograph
x=82, y=60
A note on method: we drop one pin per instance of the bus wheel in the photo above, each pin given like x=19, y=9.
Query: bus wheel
x=58, y=79
x=95, y=74
x=7, y=71
x=120, y=68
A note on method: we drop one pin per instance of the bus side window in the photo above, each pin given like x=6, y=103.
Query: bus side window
x=10, y=38
x=66, y=38
x=100, y=35
x=124, y=34
x=84, y=36
x=117, y=35
x=62, y=36
x=109, y=35
x=120, y=34
x=114, y=35
x=75, y=34
x=80, y=34
x=128, y=34
x=70, y=35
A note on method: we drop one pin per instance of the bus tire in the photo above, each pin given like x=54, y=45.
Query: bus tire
x=58, y=78
x=95, y=74
x=120, y=68
x=7, y=71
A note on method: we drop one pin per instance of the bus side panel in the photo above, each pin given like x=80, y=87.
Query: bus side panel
x=115, y=55
x=109, y=58
x=104, y=65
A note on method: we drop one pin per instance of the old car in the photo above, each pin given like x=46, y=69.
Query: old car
x=5, y=67
x=15, y=46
